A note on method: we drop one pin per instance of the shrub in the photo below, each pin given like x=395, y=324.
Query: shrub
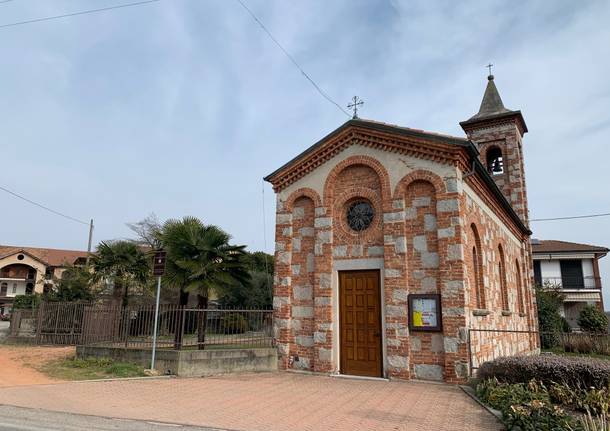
x=576, y=372
x=594, y=423
x=592, y=319
x=26, y=302
x=524, y=406
x=501, y=396
x=234, y=323
x=538, y=415
x=549, y=300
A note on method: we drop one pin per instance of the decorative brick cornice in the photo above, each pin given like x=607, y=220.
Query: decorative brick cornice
x=510, y=118
x=428, y=149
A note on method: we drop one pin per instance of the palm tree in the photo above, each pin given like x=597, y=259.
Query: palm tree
x=200, y=260
x=123, y=262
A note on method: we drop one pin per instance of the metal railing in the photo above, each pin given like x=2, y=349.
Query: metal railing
x=588, y=282
x=179, y=328
x=132, y=326
x=488, y=344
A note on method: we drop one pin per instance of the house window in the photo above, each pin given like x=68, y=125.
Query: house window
x=3, y=289
x=14, y=287
x=29, y=288
x=495, y=161
x=571, y=274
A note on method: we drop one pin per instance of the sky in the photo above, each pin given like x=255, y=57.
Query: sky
x=180, y=107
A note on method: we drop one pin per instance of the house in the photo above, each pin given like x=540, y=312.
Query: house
x=573, y=268
x=392, y=242
x=25, y=270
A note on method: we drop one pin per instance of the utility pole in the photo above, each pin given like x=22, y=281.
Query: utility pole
x=90, y=240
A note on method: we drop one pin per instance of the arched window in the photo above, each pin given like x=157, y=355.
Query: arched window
x=477, y=266
x=520, y=302
x=502, y=275
x=495, y=161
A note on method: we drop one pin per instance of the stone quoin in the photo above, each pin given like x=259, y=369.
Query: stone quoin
x=381, y=227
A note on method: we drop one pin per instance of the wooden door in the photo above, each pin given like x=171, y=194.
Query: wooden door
x=360, y=323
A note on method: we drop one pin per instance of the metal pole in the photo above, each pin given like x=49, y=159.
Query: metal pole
x=154, y=346
x=90, y=239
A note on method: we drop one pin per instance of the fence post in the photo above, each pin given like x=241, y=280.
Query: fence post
x=468, y=340
x=39, y=318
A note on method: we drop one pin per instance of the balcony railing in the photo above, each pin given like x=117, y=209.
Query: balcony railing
x=573, y=282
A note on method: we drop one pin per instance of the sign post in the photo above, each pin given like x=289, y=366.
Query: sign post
x=158, y=271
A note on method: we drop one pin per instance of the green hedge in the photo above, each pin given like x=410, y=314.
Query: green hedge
x=575, y=372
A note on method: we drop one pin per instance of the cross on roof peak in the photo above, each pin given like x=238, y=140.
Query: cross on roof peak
x=489, y=66
x=356, y=101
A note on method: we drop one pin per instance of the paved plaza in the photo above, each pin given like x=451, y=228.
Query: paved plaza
x=266, y=402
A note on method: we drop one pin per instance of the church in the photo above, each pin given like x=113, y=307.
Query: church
x=402, y=253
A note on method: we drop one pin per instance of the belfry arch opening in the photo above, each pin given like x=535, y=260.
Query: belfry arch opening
x=495, y=161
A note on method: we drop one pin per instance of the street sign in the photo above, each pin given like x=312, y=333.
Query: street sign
x=159, y=263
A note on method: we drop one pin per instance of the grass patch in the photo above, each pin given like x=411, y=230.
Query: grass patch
x=90, y=368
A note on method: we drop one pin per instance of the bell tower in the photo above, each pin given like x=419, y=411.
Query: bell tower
x=498, y=134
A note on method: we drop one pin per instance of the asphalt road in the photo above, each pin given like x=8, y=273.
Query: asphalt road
x=21, y=419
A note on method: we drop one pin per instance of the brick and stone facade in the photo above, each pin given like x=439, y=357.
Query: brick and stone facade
x=441, y=225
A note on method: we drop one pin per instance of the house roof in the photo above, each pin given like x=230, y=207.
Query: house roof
x=431, y=137
x=49, y=256
x=556, y=246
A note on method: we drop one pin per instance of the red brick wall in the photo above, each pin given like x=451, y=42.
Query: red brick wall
x=494, y=314
x=302, y=281
x=422, y=234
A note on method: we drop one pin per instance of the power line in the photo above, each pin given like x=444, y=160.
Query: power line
x=572, y=217
x=43, y=207
x=48, y=18
x=5, y=1
x=326, y=96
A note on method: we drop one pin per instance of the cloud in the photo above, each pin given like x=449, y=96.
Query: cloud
x=182, y=107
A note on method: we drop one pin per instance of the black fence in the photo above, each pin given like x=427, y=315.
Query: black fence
x=133, y=326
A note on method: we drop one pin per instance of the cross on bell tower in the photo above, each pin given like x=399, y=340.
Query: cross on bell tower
x=356, y=101
x=489, y=66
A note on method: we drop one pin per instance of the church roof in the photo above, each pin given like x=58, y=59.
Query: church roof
x=492, y=107
x=374, y=125
x=313, y=156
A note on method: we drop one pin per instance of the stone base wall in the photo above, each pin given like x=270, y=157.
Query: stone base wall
x=190, y=363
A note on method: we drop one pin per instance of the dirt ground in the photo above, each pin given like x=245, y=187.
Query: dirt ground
x=18, y=363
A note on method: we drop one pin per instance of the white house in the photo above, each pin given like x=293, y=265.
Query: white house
x=574, y=269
